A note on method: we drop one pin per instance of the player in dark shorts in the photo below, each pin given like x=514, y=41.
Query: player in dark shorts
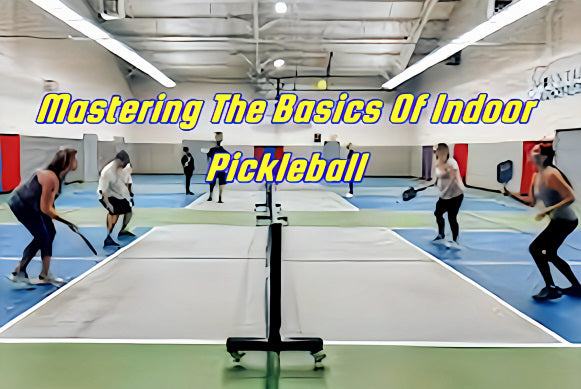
x=33, y=205
x=115, y=195
x=220, y=176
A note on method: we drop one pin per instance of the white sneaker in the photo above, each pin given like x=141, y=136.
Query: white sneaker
x=348, y=195
x=19, y=278
x=51, y=279
x=453, y=245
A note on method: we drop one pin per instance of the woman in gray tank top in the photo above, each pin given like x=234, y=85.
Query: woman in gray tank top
x=553, y=189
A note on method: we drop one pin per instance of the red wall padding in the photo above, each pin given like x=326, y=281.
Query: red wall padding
x=10, y=155
x=528, y=167
x=461, y=156
x=259, y=151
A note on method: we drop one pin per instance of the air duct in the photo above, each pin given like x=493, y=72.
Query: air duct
x=113, y=9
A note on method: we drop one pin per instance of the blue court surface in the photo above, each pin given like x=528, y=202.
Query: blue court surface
x=67, y=244
x=500, y=262
x=14, y=301
x=71, y=258
x=427, y=203
x=488, y=246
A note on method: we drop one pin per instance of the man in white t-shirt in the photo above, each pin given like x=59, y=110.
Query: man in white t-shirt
x=115, y=194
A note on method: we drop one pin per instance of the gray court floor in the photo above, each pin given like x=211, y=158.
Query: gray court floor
x=207, y=282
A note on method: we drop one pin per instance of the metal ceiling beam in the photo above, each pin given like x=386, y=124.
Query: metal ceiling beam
x=256, y=31
x=407, y=52
x=291, y=1
x=277, y=20
x=357, y=41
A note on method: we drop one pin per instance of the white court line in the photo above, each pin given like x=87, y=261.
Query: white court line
x=56, y=293
x=486, y=291
x=222, y=342
x=503, y=230
x=36, y=259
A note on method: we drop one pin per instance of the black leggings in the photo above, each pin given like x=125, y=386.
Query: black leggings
x=40, y=226
x=452, y=206
x=545, y=246
x=188, y=180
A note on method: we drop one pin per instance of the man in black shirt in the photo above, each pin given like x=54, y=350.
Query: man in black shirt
x=188, y=165
x=221, y=175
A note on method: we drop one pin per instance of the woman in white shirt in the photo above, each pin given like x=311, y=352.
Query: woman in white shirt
x=451, y=192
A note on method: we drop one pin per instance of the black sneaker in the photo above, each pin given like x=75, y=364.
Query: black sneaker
x=209, y=199
x=439, y=240
x=126, y=233
x=548, y=293
x=110, y=242
x=573, y=291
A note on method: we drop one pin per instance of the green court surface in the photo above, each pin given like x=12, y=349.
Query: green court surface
x=124, y=366
x=151, y=217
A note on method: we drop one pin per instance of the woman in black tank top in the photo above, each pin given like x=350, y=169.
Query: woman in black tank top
x=33, y=205
x=553, y=188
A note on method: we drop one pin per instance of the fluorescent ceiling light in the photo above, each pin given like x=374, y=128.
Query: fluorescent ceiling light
x=502, y=19
x=280, y=7
x=278, y=63
x=85, y=27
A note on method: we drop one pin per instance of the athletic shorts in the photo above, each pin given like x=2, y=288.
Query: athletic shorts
x=220, y=178
x=120, y=206
x=40, y=225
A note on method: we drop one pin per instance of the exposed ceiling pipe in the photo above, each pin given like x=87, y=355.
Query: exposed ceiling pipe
x=296, y=76
x=329, y=64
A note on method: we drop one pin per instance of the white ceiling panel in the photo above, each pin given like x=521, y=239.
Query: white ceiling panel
x=218, y=40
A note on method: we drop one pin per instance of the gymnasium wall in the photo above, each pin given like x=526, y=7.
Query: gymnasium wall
x=568, y=147
x=105, y=153
x=415, y=161
x=389, y=161
x=381, y=134
x=37, y=152
x=80, y=67
x=483, y=159
x=504, y=66
x=154, y=158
